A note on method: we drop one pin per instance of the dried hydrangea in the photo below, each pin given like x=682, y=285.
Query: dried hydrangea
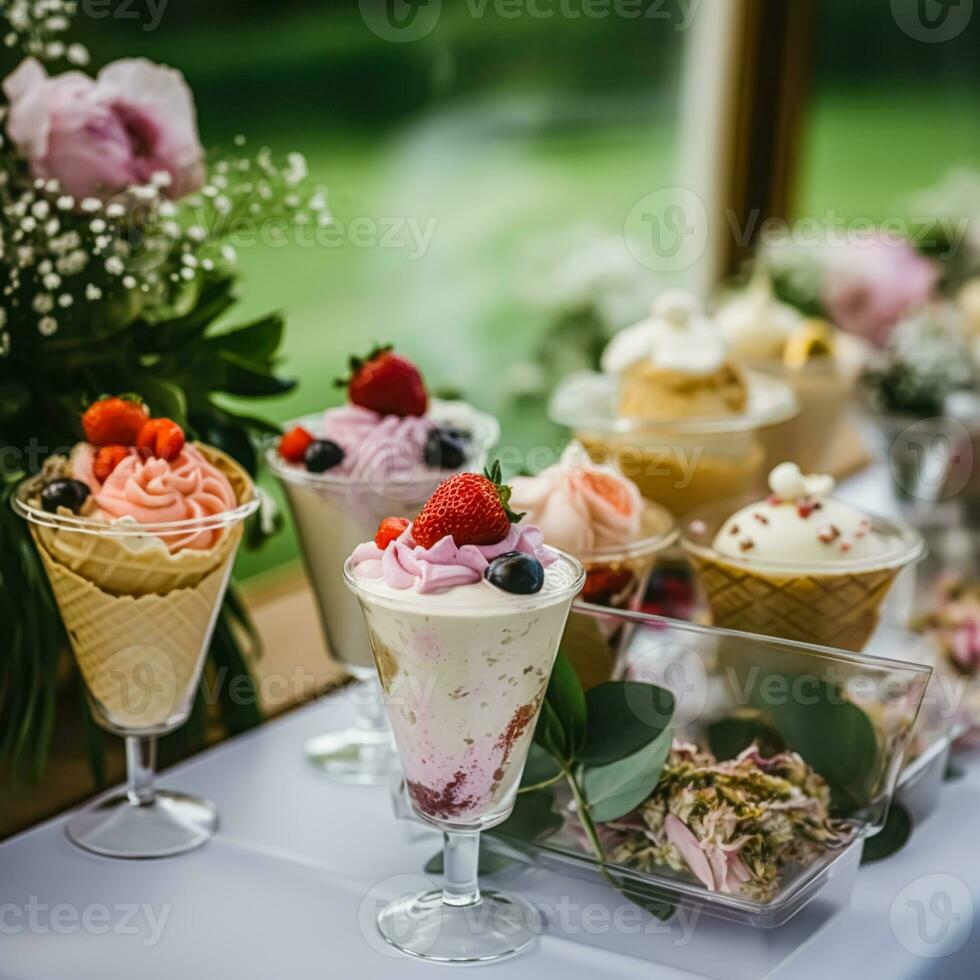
x=737, y=825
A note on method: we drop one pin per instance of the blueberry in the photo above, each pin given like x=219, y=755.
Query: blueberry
x=322, y=455
x=444, y=449
x=64, y=493
x=516, y=572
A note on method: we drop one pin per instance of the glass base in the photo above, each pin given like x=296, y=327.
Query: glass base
x=363, y=756
x=426, y=927
x=171, y=824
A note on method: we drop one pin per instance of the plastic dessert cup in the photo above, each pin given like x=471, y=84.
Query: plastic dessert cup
x=616, y=578
x=464, y=677
x=140, y=621
x=682, y=463
x=332, y=515
x=834, y=604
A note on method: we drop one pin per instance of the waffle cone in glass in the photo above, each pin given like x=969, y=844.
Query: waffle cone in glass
x=139, y=619
x=837, y=605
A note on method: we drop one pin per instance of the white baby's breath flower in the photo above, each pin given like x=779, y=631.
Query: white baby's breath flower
x=51, y=281
x=97, y=226
x=92, y=292
x=65, y=300
x=129, y=282
x=43, y=303
x=40, y=209
x=115, y=210
x=91, y=205
x=114, y=265
x=78, y=54
x=66, y=202
x=48, y=325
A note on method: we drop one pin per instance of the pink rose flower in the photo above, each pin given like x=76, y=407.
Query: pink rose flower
x=99, y=136
x=869, y=286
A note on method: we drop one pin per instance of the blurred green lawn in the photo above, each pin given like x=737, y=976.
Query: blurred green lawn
x=492, y=186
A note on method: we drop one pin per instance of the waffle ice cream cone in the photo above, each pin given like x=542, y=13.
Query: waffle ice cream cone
x=831, y=610
x=138, y=617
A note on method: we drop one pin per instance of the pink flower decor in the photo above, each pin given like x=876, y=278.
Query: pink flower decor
x=99, y=136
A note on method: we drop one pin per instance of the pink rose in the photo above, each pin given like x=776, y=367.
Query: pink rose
x=870, y=286
x=99, y=136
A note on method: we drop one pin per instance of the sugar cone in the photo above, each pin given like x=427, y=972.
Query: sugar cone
x=830, y=610
x=140, y=619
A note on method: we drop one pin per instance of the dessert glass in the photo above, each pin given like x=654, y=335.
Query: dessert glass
x=681, y=463
x=463, y=684
x=140, y=622
x=332, y=515
x=833, y=604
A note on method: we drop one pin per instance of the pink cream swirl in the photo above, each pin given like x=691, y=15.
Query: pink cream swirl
x=155, y=491
x=406, y=565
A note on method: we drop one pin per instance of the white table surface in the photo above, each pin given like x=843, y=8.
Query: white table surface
x=290, y=886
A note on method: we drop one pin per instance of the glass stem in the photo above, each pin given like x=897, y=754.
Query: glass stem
x=141, y=758
x=461, y=860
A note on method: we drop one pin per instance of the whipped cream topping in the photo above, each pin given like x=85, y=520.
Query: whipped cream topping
x=580, y=506
x=405, y=565
x=799, y=523
x=755, y=324
x=157, y=491
x=676, y=337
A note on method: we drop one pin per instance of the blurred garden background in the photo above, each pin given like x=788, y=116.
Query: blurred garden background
x=479, y=172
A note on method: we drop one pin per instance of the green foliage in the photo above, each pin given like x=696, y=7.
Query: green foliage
x=181, y=366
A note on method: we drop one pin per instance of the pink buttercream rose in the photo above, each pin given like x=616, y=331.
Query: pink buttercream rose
x=99, y=136
x=869, y=286
x=155, y=491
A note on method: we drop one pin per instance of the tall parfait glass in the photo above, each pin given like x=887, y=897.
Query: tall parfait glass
x=139, y=605
x=464, y=674
x=332, y=514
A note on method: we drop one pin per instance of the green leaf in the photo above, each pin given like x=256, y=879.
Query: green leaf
x=832, y=733
x=14, y=398
x=891, y=838
x=566, y=700
x=534, y=817
x=730, y=736
x=615, y=789
x=256, y=343
x=237, y=376
x=623, y=716
x=164, y=398
x=541, y=766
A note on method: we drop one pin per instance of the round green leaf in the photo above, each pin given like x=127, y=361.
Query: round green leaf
x=614, y=790
x=623, y=716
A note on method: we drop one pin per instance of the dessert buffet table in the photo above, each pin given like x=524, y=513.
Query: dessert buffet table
x=292, y=883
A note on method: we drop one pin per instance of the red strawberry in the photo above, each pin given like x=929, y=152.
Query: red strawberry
x=114, y=421
x=605, y=583
x=387, y=384
x=469, y=507
x=388, y=530
x=107, y=458
x=293, y=445
x=162, y=438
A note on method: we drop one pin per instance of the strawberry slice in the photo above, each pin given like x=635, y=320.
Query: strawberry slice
x=162, y=438
x=390, y=529
x=472, y=509
x=293, y=445
x=107, y=458
x=386, y=384
x=115, y=421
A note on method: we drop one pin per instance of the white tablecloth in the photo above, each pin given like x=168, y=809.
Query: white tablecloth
x=290, y=886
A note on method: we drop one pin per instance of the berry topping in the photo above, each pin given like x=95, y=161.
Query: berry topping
x=293, y=445
x=805, y=506
x=444, y=449
x=63, y=492
x=107, y=458
x=470, y=508
x=516, y=572
x=604, y=583
x=825, y=535
x=390, y=529
x=162, y=438
x=322, y=455
x=115, y=421
x=386, y=383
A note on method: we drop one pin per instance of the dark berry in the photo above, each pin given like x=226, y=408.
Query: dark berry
x=323, y=455
x=64, y=493
x=516, y=572
x=444, y=449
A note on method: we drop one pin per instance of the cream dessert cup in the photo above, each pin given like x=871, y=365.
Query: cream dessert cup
x=464, y=673
x=806, y=568
x=332, y=514
x=139, y=605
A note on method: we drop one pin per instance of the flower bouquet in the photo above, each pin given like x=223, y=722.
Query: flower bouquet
x=115, y=269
